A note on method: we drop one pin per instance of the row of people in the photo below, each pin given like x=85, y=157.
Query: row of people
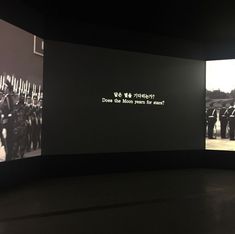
x=226, y=118
x=20, y=123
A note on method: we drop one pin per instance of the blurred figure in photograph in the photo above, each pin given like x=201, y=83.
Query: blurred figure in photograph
x=2, y=137
x=231, y=117
x=35, y=122
x=206, y=122
x=40, y=106
x=19, y=128
x=28, y=104
x=223, y=118
x=7, y=104
x=212, y=118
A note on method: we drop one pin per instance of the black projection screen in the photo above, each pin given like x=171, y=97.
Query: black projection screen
x=80, y=78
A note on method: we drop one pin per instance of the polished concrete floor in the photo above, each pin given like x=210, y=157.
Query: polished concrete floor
x=167, y=201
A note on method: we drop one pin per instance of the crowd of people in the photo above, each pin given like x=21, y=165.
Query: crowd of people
x=226, y=116
x=20, y=121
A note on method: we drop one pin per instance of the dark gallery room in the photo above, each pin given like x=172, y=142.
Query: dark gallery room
x=117, y=118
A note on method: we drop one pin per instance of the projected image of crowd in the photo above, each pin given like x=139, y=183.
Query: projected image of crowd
x=20, y=118
x=220, y=105
x=220, y=120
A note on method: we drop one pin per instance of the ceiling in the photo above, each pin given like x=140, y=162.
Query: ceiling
x=191, y=20
x=199, y=21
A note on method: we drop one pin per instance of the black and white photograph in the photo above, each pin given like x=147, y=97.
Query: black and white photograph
x=220, y=109
x=21, y=93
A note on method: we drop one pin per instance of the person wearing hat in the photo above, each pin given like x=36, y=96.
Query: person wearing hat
x=28, y=106
x=7, y=105
x=223, y=118
x=231, y=118
x=212, y=118
x=40, y=121
x=3, y=139
x=206, y=122
x=35, y=122
x=19, y=128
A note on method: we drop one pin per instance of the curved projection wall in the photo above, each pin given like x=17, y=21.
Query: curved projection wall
x=21, y=93
x=103, y=100
x=220, y=109
x=98, y=100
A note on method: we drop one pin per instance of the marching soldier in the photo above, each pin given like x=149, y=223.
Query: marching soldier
x=35, y=122
x=20, y=122
x=7, y=105
x=212, y=118
x=206, y=122
x=40, y=121
x=3, y=140
x=28, y=106
x=231, y=116
x=19, y=128
x=223, y=117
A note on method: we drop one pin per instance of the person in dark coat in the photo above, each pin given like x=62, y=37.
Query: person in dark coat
x=212, y=118
x=223, y=118
x=35, y=122
x=231, y=117
x=40, y=122
x=19, y=128
x=28, y=105
x=7, y=105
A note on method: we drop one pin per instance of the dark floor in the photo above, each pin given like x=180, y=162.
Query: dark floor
x=177, y=201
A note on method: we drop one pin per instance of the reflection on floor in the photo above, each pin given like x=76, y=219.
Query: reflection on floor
x=197, y=201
